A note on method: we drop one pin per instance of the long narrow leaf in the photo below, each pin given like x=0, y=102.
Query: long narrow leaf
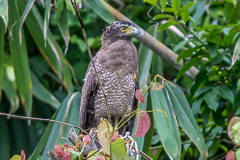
x=20, y=59
x=186, y=118
x=46, y=19
x=4, y=12
x=166, y=126
x=1, y=53
x=68, y=113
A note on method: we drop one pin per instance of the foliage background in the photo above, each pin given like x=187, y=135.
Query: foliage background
x=35, y=79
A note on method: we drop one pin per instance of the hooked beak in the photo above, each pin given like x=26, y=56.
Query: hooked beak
x=135, y=31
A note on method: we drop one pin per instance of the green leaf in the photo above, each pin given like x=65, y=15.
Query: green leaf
x=46, y=19
x=167, y=128
x=98, y=7
x=159, y=16
x=212, y=48
x=68, y=113
x=59, y=7
x=118, y=149
x=238, y=84
x=40, y=92
x=167, y=24
x=16, y=157
x=186, y=118
x=187, y=66
x=196, y=107
x=63, y=27
x=226, y=93
x=202, y=90
x=24, y=15
x=152, y=2
x=4, y=12
x=187, y=53
x=176, y=7
x=180, y=46
x=163, y=3
x=211, y=99
x=185, y=11
x=1, y=53
x=236, y=53
x=20, y=59
x=43, y=140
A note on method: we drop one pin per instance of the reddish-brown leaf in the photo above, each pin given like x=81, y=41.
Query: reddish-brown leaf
x=114, y=137
x=143, y=124
x=139, y=95
x=230, y=155
x=66, y=146
x=23, y=157
x=86, y=139
x=58, y=151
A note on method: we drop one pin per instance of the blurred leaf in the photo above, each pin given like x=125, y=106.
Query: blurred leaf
x=196, y=107
x=180, y=46
x=43, y=141
x=46, y=19
x=24, y=15
x=101, y=10
x=68, y=113
x=176, y=7
x=152, y=2
x=236, y=53
x=118, y=149
x=163, y=3
x=63, y=27
x=230, y=155
x=16, y=157
x=164, y=26
x=160, y=16
x=201, y=91
x=212, y=48
x=166, y=126
x=186, y=118
x=226, y=93
x=184, y=11
x=187, y=66
x=43, y=94
x=20, y=60
x=4, y=13
x=2, y=35
x=211, y=99
x=238, y=84
x=59, y=7
x=187, y=53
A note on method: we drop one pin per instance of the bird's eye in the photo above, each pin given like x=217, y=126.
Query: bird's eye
x=123, y=29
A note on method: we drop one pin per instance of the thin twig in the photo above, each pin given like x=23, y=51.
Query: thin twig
x=75, y=6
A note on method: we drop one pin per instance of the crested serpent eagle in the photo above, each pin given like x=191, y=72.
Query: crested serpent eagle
x=116, y=63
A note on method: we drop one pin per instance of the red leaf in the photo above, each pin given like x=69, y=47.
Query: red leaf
x=143, y=124
x=139, y=95
x=23, y=157
x=66, y=155
x=66, y=146
x=58, y=150
x=114, y=137
x=230, y=155
x=86, y=139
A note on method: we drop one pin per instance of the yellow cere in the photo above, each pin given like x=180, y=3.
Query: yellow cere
x=127, y=30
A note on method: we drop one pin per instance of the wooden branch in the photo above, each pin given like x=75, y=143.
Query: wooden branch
x=152, y=43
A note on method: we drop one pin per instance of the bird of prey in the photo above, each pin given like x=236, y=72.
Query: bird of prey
x=116, y=64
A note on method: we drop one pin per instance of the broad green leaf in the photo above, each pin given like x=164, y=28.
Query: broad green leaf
x=211, y=99
x=24, y=15
x=196, y=107
x=98, y=7
x=118, y=149
x=184, y=11
x=63, y=27
x=160, y=16
x=187, y=66
x=46, y=19
x=187, y=53
x=167, y=128
x=4, y=13
x=1, y=53
x=40, y=92
x=43, y=141
x=212, y=48
x=68, y=113
x=176, y=4
x=163, y=3
x=226, y=93
x=167, y=24
x=180, y=45
x=201, y=91
x=20, y=59
x=152, y=2
x=186, y=118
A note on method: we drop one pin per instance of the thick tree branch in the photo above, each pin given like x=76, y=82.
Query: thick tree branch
x=152, y=43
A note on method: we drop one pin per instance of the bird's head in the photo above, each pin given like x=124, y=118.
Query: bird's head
x=120, y=30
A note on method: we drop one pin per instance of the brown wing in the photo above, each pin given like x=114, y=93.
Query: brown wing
x=88, y=91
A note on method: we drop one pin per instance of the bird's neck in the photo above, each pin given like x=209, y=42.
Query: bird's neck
x=106, y=41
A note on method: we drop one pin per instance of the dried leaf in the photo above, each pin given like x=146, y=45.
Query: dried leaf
x=231, y=130
x=139, y=96
x=143, y=124
x=58, y=150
